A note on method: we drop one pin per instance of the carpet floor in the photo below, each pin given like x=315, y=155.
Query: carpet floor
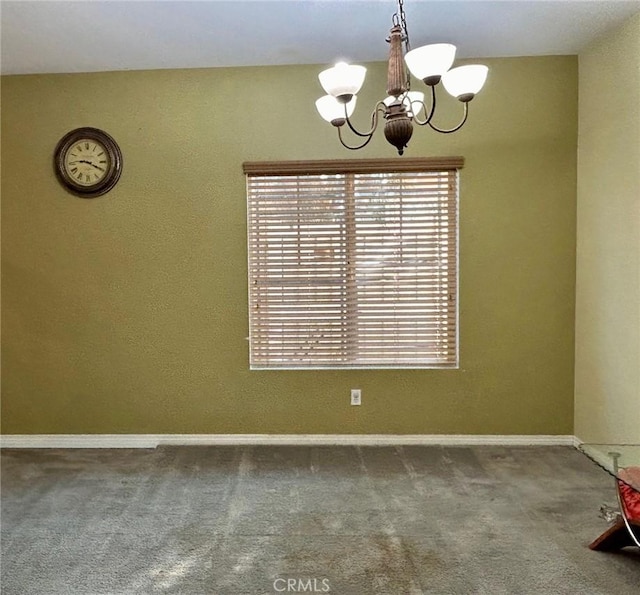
x=344, y=520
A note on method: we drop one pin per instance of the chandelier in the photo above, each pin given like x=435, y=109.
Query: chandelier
x=403, y=107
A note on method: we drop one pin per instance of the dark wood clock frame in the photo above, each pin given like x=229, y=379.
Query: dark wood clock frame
x=114, y=167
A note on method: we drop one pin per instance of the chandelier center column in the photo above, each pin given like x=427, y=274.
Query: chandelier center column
x=396, y=73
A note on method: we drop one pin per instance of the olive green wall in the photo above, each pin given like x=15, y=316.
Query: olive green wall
x=607, y=385
x=128, y=313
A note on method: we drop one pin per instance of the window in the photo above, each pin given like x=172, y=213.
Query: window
x=353, y=263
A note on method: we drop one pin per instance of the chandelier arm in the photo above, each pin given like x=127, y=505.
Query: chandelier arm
x=432, y=111
x=374, y=120
x=417, y=120
x=364, y=144
x=448, y=131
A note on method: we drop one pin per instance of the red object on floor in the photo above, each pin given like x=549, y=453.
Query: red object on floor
x=630, y=497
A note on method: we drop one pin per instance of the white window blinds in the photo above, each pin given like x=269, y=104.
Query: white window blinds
x=353, y=263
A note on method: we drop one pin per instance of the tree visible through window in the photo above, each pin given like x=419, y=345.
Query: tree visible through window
x=353, y=263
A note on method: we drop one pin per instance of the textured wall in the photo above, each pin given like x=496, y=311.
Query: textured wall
x=607, y=392
x=128, y=313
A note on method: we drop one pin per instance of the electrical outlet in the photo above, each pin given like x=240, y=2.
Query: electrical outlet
x=356, y=396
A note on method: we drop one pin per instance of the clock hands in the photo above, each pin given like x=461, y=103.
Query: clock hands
x=87, y=162
x=96, y=166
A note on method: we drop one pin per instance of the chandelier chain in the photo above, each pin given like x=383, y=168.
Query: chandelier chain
x=403, y=24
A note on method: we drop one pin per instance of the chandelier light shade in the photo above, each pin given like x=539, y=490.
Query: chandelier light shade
x=331, y=109
x=402, y=108
x=413, y=100
x=343, y=80
x=464, y=82
x=429, y=62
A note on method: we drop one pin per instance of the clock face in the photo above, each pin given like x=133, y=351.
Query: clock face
x=88, y=162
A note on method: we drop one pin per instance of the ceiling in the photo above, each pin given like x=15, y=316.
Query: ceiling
x=53, y=36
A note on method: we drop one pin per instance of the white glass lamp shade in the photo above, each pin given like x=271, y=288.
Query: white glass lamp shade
x=408, y=100
x=464, y=82
x=343, y=80
x=332, y=110
x=429, y=62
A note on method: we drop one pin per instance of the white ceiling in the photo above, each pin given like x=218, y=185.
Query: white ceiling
x=99, y=35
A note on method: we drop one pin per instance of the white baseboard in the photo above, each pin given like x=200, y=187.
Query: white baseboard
x=155, y=440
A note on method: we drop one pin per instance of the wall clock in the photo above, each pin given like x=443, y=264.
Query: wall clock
x=88, y=162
